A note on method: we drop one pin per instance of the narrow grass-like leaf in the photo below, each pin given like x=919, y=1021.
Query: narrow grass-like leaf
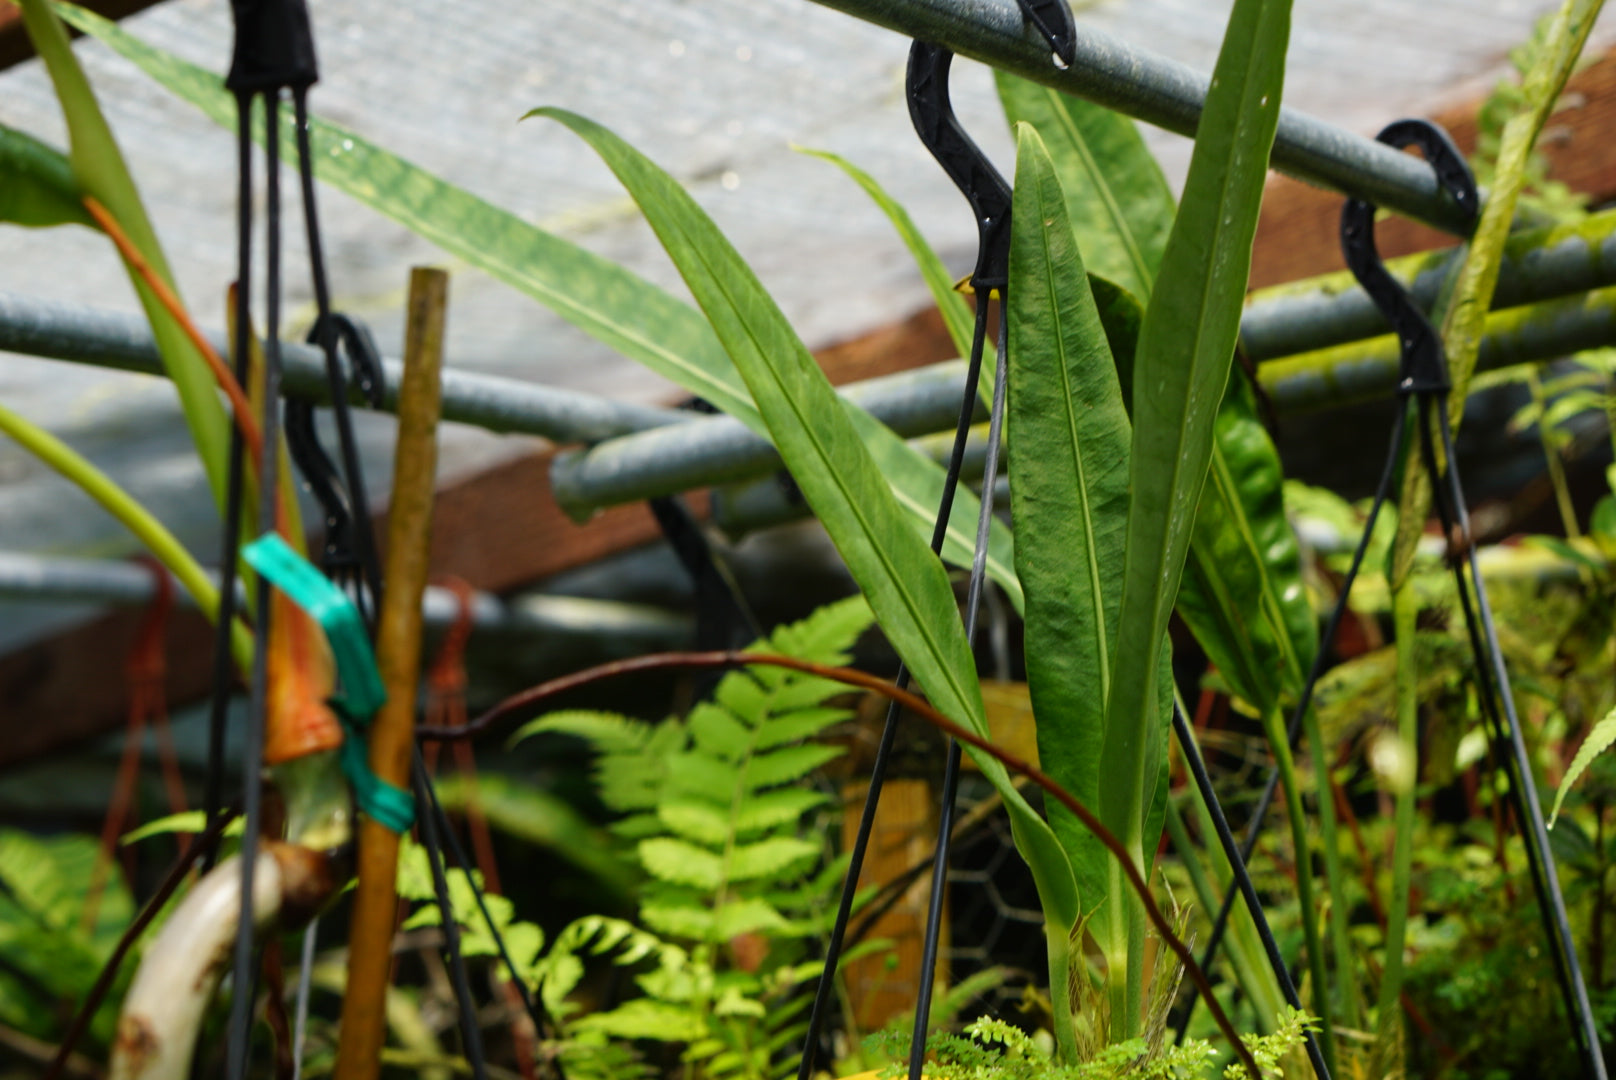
x=917, y=481
x=905, y=584
x=1598, y=741
x=1120, y=205
x=1068, y=450
x=1185, y=348
x=952, y=306
x=37, y=188
x=100, y=171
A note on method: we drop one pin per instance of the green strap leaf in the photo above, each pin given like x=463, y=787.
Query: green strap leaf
x=1068, y=450
x=37, y=187
x=1120, y=205
x=951, y=305
x=1185, y=347
x=905, y=584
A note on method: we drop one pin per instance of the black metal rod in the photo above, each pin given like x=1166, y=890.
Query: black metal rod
x=951, y=770
x=434, y=807
x=240, y=1033
x=471, y=1034
x=889, y=728
x=1242, y=880
x=1293, y=729
x=1546, y=880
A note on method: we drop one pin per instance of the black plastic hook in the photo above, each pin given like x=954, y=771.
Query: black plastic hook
x=1053, y=19
x=344, y=548
x=1424, y=369
x=939, y=129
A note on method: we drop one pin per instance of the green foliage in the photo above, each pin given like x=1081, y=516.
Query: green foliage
x=821, y=445
x=47, y=953
x=39, y=190
x=714, y=807
x=991, y=1049
x=1541, y=196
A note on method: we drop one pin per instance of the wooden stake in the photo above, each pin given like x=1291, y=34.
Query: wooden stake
x=398, y=653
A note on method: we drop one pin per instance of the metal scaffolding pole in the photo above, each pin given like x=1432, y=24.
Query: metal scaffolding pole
x=1538, y=265
x=719, y=450
x=1167, y=94
x=87, y=335
x=529, y=617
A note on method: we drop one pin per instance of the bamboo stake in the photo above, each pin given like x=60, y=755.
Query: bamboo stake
x=398, y=653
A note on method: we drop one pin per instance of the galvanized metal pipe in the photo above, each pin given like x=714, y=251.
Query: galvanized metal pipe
x=1167, y=94
x=528, y=617
x=720, y=449
x=1367, y=370
x=87, y=335
x=1538, y=265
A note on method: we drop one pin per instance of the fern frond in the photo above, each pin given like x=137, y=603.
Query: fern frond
x=645, y=1018
x=680, y=862
x=803, y=723
x=693, y=773
x=718, y=731
x=696, y=820
x=610, y=733
x=775, y=809
x=787, y=765
x=771, y=858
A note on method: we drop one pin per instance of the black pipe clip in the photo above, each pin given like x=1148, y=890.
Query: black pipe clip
x=1423, y=368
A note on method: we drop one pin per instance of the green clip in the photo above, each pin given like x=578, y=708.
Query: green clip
x=362, y=691
x=387, y=804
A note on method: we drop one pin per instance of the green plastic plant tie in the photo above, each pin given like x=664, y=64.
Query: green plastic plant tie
x=387, y=804
x=362, y=692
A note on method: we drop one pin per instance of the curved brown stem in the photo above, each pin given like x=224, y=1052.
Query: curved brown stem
x=525, y=701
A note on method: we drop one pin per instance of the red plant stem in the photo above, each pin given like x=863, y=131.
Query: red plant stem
x=222, y=375
x=523, y=703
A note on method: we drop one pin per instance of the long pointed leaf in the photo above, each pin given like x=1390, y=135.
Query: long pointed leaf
x=1068, y=449
x=905, y=584
x=1119, y=202
x=1185, y=347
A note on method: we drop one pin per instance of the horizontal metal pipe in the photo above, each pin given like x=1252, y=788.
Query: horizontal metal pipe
x=738, y=509
x=1366, y=370
x=672, y=460
x=61, y=579
x=1167, y=94
x=86, y=335
x=1538, y=265
x=720, y=449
